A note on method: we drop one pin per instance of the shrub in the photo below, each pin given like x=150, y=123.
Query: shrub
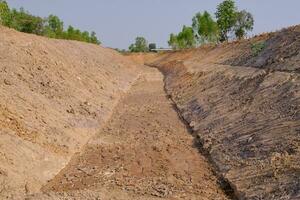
x=140, y=45
x=257, y=48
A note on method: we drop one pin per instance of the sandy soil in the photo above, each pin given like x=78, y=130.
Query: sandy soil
x=54, y=96
x=143, y=152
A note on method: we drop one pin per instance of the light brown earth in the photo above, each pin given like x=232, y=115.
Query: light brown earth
x=73, y=125
x=54, y=96
x=143, y=152
x=78, y=121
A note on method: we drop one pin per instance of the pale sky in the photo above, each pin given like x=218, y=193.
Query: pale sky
x=118, y=22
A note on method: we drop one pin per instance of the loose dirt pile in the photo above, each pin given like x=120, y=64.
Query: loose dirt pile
x=54, y=96
x=244, y=109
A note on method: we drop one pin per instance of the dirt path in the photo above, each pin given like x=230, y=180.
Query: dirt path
x=144, y=152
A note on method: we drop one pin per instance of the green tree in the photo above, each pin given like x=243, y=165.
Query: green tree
x=205, y=27
x=186, y=38
x=78, y=35
x=55, y=26
x=25, y=22
x=52, y=26
x=140, y=45
x=86, y=36
x=244, y=23
x=173, y=41
x=226, y=18
x=70, y=33
x=94, y=39
x=5, y=14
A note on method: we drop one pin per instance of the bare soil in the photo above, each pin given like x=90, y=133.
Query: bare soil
x=54, y=96
x=79, y=121
x=244, y=109
x=144, y=150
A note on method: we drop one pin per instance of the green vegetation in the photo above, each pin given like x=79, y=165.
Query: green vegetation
x=51, y=26
x=244, y=23
x=140, y=45
x=173, y=41
x=229, y=23
x=257, y=48
x=185, y=39
x=5, y=16
x=206, y=29
x=226, y=18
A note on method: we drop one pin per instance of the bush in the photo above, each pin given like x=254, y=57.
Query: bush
x=185, y=39
x=140, y=45
x=257, y=48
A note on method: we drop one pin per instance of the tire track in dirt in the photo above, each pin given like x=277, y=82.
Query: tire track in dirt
x=144, y=152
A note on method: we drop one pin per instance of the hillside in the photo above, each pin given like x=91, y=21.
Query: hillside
x=54, y=96
x=244, y=110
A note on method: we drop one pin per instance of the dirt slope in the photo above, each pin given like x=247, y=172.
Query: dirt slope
x=78, y=121
x=143, y=152
x=244, y=109
x=54, y=96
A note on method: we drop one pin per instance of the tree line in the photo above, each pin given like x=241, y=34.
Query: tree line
x=51, y=26
x=141, y=45
x=230, y=22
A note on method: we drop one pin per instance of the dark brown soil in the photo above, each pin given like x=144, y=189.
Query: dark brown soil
x=247, y=117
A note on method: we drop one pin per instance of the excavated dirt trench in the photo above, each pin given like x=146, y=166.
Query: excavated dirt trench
x=60, y=97
x=143, y=152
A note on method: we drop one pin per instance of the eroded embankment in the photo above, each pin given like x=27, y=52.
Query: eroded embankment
x=54, y=96
x=247, y=118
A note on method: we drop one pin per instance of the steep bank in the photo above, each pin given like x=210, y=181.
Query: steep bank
x=54, y=96
x=58, y=95
x=244, y=109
